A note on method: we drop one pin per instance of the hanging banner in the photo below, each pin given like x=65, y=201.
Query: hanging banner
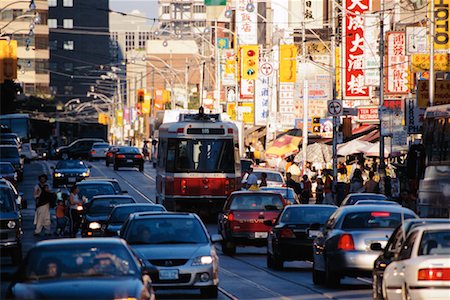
x=313, y=14
x=247, y=22
x=413, y=116
x=368, y=114
x=371, y=59
x=262, y=100
x=231, y=111
x=287, y=105
x=247, y=89
x=228, y=73
x=442, y=20
x=337, y=60
x=288, y=63
x=441, y=94
x=397, y=64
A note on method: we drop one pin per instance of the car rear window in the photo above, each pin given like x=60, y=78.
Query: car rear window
x=354, y=199
x=307, y=215
x=120, y=214
x=9, y=152
x=100, y=146
x=257, y=202
x=105, y=206
x=129, y=150
x=436, y=242
x=373, y=219
x=270, y=176
x=6, y=168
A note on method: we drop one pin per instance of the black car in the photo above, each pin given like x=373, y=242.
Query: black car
x=10, y=154
x=90, y=189
x=129, y=157
x=10, y=225
x=109, y=158
x=81, y=269
x=113, y=181
x=392, y=248
x=120, y=213
x=69, y=172
x=80, y=148
x=294, y=231
x=97, y=211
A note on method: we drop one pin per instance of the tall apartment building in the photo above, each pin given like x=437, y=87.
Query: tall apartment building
x=182, y=16
x=32, y=51
x=79, y=45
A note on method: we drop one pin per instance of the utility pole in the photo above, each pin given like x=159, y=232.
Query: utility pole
x=305, y=95
x=186, y=84
x=382, y=167
x=432, y=37
x=333, y=82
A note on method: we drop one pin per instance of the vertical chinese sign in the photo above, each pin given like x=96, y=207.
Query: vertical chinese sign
x=353, y=37
x=247, y=22
x=262, y=100
x=397, y=64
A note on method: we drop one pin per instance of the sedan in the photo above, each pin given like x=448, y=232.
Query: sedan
x=69, y=172
x=351, y=199
x=98, y=151
x=81, y=269
x=293, y=233
x=90, y=189
x=120, y=214
x=97, y=212
x=129, y=157
x=178, y=249
x=288, y=193
x=8, y=172
x=344, y=247
x=421, y=270
x=274, y=178
x=11, y=154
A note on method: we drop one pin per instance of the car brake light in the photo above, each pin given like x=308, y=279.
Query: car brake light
x=230, y=130
x=434, y=274
x=180, y=130
x=287, y=233
x=138, y=156
x=93, y=152
x=109, y=154
x=346, y=242
x=230, y=217
x=380, y=214
x=120, y=156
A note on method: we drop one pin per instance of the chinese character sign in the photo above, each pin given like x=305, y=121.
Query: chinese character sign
x=246, y=23
x=353, y=36
x=313, y=14
x=397, y=64
x=262, y=100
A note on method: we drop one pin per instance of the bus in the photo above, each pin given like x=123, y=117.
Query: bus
x=434, y=189
x=17, y=123
x=198, y=164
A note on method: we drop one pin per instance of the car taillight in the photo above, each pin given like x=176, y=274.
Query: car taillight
x=434, y=274
x=138, y=156
x=109, y=154
x=346, y=242
x=180, y=130
x=183, y=186
x=120, y=156
x=287, y=233
x=230, y=217
x=93, y=152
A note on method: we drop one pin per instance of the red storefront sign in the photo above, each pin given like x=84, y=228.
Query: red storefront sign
x=368, y=114
x=397, y=64
x=353, y=36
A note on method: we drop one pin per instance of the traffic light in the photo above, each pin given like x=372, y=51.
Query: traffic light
x=316, y=125
x=140, y=95
x=249, y=61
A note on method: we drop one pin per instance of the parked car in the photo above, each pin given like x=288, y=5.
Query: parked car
x=343, y=248
x=8, y=172
x=81, y=269
x=241, y=222
x=120, y=214
x=421, y=270
x=392, y=248
x=98, y=151
x=10, y=225
x=294, y=231
x=90, y=189
x=274, y=178
x=10, y=154
x=288, y=193
x=109, y=156
x=113, y=181
x=97, y=211
x=351, y=199
x=77, y=149
x=178, y=247
x=69, y=172
x=376, y=202
x=128, y=157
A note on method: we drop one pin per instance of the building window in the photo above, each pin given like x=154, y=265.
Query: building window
x=199, y=9
x=53, y=45
x=41, y=42
x=41, y=66
x=52, y=3
x=114, y=36
x=68, y=3
x=68, y=45
x=166, y=9
x=143, y=37
x=28, y=88
x=129, y=40
x=68, y=23
x=52, y=23
x=68, y=67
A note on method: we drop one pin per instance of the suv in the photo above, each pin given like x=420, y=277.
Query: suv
x=80, y=148
x=10, y=225
x=9, y=153
x=243, y=216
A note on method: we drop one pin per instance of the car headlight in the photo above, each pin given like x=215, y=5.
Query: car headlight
x=11, y=224
x=85, y=174
x=202, y=260
x=57, y=150
x=94, y=225
x=57, y=175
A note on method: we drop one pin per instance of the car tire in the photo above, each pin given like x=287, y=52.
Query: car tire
x=16, y=255
x=116, y=168
x=274, y=262
x=228, y=248
x=65, y=156
x=210, y=292
x=141, y=168
x=318, y=277
x=331, y=279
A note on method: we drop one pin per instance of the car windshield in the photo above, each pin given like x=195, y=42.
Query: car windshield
x=91, y=190
x=9, y=152
x=355, y=198
x=306, y=215
x=105, y=206
x=71, y=164
x=257, y=201
x=79, y=261
x=270, y=176
x=160, y=230
x=6, y=200
x=100, y=145
x=435, y=242
x=6, y=169
x=133, y=150
x=373, y=219
x=120, y=214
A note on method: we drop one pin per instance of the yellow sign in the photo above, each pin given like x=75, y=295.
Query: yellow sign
x=338, y=72
x=248, y=112
x=146, y=103
x=8, y=60
x=119, y=117
x=231, y=110
x=103, y=118
x=442, y=20
x=441, y=95
x=421, y=62
x=288, y=63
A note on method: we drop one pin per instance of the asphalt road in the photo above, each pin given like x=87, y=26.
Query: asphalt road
x=244, y=276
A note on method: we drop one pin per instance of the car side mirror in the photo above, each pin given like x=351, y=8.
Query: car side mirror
x=315, y=226
x=376, y=247
x=215, y=238
x=268, y=223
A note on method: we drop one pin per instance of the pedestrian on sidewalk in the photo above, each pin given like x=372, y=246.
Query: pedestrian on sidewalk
x=328, y=188
x=306, y=189
x=43, y=198
x=319, y=191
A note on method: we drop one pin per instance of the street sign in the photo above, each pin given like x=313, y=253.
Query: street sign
x=335, y=108
x=266, y=69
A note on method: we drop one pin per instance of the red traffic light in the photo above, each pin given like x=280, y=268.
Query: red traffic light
x=250, y=52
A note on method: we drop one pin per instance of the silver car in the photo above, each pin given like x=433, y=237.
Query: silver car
x=344, y=247
x=177, y=247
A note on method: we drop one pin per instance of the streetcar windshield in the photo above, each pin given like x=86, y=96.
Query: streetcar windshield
x=200, y=155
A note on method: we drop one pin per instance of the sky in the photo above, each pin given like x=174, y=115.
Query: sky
x=148, y=7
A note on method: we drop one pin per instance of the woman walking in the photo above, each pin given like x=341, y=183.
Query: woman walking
x=42, y=195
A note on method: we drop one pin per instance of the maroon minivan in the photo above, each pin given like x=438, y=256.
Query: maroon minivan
x=242, y=221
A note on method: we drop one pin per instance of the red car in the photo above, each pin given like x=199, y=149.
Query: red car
x=242, y=221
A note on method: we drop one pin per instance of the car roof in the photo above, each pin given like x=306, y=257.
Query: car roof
x=149, y=214
x=101, y=179
x=101, y=143
x=137, y=204
x=369, y=208
x=113, y=197
x=5, y=163
x=427, y=227
x=236, y=193
x=265, y=170
x=375, y=201
x=8, y=146
x=275, y=188
x=365, y=194
x=86, y=182
x=73, y=242
x=311, y=205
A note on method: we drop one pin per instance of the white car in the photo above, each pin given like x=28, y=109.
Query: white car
x=28, y=152
x=274, y=178
x=421, y=270
x=98, y=151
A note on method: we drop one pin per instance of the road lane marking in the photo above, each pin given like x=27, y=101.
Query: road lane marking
x=227, y=294
x=148, y=176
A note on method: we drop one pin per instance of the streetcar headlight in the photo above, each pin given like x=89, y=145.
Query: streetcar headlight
x=202, y=260
x=94, y=225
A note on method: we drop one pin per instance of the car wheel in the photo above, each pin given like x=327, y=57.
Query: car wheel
x=141, y=168
x=116, y=168
x=318, y=277
x=274, y=262
x=210, y=292
x=228, y=248
x=16, y=255
x=65, y=156
x=331, y=279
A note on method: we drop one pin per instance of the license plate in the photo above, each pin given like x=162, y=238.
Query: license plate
x=129, y=160
x=313, y=233
x=72, y=179
x=168, y=274
x=261, y=235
